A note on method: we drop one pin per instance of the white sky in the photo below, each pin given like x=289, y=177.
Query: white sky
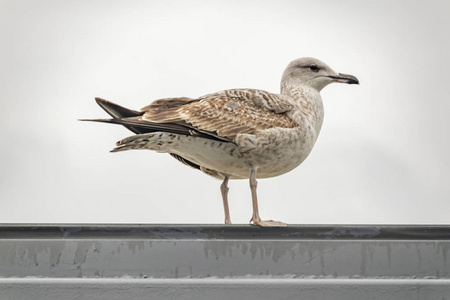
x=382, y=156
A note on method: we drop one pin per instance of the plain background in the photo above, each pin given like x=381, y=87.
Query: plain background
x=382, y=156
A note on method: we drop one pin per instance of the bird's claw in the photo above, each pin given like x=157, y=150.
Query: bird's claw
x=268, y=223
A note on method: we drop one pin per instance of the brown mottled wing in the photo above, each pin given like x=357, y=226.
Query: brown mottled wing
x=260, y=98
x=223, y=115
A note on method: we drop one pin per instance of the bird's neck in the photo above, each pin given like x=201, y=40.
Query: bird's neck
x=308, y=103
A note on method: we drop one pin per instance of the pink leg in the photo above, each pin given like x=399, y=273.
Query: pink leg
x=224, y=189
x=256, y=218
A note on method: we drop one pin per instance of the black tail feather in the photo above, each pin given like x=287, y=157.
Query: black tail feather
x=139, y=127
x=117, y=111
x=132, y=120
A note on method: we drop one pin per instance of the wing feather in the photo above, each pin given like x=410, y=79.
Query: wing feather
x=224, y=114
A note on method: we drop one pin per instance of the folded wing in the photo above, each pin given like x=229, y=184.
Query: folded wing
x=222, y=115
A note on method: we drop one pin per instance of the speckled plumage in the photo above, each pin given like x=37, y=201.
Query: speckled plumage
x=236, y=133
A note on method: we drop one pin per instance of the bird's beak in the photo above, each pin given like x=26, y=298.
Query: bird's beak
x=345, y=78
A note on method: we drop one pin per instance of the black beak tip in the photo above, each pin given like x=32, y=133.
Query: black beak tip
x=350, y=79
x=353, y=80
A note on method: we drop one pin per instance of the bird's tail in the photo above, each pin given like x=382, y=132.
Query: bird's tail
x=159, y=142
x=117, y=112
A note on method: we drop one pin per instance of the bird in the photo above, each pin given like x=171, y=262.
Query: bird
x=235, y=133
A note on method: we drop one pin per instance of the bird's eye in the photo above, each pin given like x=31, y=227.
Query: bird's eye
x=314, y=68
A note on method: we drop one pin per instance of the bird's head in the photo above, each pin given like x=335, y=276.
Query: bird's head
x=314, y=73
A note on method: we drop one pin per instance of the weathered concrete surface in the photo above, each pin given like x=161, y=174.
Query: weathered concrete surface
x=223, y=258
x=224, y=262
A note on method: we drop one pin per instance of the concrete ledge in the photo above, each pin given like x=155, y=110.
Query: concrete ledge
x=224, y=262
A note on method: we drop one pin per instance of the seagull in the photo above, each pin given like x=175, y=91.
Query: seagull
x=235, y=133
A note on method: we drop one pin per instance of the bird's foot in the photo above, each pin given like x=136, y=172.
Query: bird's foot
x=268, y=223
x=227, y=221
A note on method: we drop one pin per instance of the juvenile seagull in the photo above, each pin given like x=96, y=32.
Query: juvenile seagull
x=238, y=133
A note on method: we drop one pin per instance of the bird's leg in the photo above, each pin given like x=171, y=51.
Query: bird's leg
x=224, y=189
x=256, y=218
x=253, y=184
